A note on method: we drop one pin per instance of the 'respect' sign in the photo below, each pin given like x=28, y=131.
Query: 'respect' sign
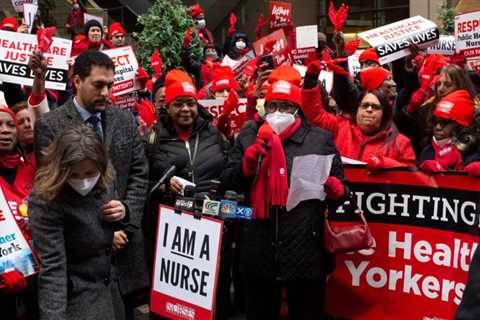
x=467, y=34
x=392, y=41
x=15, y=51
x=126, y=67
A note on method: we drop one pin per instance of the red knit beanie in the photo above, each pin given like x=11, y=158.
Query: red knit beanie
x=6, y=109
x=195, y=10
x=284, y=90
x=9, y=23
x=372, y=78
x=115, y=28
x=176, y=75
x=179, y=89
x=286, y=73
x=457, y=106
x=369, y=55
x=222, y=83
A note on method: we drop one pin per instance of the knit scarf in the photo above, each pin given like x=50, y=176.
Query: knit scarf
x=271, y=185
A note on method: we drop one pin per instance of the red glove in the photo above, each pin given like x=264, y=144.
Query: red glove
x=473, y=169
x=431, y=166
x=142, y=77
x=45, y=38
x=418, y=97
x=334, y=188
x=147, y=112
x=375, y=163
x=230, y=103
x=13, y=282
x=315, y=67
x=187, y=38
x=250, y=158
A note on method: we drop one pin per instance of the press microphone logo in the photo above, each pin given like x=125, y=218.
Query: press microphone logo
x=211, y=207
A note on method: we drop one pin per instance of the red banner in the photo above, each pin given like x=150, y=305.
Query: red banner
x=426, y=231
x=280, y=14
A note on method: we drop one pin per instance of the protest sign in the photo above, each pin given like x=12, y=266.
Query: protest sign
x=238, y=65
x=280, y=14
x=187, y=259
x=29, y=13
x=325, y=77
x=15, y=51
x=277, y=38
x=126, y=67
x=426, y=231
x=18, y=4
x=127, y=101
x=87, y=17
x=445, y=46
x=307, y=36
x=392, y=41
x=304, y=55
x=236, y=118
x=354, y=63
x=467, y=34
x=15, y=251
x=474, y=64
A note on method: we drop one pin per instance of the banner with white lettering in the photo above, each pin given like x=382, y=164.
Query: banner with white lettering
x=392, y=41
x=445, y=46
x=18, y=4
x=15, y=51
x=15, y=251
x=235, y=119
x=126, y=67
x=426, y=231
x=187, y=259
x=467, y=34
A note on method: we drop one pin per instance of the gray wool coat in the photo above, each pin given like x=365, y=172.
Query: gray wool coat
x=74, y=245
x=127, y=155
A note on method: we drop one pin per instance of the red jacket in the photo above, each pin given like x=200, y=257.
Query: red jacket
x=17, y=193
x=350, y=141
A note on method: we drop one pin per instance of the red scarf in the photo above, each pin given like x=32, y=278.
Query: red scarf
x=10, y=161
x=271, y=185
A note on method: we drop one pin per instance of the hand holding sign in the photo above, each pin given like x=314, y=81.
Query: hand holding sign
x=45, y=38
x=38, y=64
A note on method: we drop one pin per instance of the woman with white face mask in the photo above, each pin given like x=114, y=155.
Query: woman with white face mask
x=282, y=245
x=73, y=220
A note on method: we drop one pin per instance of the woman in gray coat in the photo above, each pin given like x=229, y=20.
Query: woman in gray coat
x=73, y=218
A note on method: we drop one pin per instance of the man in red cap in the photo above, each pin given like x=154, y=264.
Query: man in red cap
x=117, y=34
x=206, y=37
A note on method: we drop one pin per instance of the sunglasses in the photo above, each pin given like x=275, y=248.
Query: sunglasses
x=365, y=105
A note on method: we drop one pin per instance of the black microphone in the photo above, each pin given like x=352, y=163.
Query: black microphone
x=176, y=165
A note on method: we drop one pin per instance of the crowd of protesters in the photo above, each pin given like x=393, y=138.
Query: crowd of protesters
x=87, y=168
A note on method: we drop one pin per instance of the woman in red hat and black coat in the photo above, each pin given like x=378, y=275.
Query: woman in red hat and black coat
x=283, y=246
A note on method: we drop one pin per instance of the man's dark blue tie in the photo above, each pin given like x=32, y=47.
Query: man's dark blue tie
x=95, y=123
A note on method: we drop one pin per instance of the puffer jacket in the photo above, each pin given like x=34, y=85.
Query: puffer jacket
x=299, y=253
x=349, y=139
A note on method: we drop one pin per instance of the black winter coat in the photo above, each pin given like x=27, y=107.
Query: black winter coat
x=301, y=253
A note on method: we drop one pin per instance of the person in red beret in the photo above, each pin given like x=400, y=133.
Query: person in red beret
x=267, y=155
x=117, y=34
x=368, y=59
x=371, y=135
x=9, y=24
x=452, y=115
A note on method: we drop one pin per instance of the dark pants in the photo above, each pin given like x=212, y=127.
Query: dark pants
x=305, y=298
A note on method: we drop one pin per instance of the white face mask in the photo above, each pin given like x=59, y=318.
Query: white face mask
x=83, y=186
x=201, y=23
x=279, y=121
x=240, y=45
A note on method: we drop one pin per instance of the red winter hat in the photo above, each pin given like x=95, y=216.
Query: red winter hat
x=369, y=55
x=9, y=23
x=372, y=78
x=6, y=109
x=195, y=10
x=285, y=72
x=222, y=83
x=456, y=106
x=284, y=90
x=115, y=28
x=430, y=67
x=176, y=75
x=179, y=89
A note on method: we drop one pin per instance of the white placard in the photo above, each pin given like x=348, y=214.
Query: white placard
x=325, y=77
x=354, y=65
x=15, y=252
x=392, y=41
x=307, y=36
x=187, y=259
x=87, y=17
x=18, y=4
x=15, y=51
x=126, y=67
x=29, y=13
x=467, y=34
x=445, y=46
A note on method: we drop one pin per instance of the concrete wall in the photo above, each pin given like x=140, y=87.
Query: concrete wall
x=425, y=8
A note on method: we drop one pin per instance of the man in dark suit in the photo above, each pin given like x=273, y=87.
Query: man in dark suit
x=93, y=74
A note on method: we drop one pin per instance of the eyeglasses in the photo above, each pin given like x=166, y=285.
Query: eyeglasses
x=273, y=106
x=365, y=105
x=441, y=122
